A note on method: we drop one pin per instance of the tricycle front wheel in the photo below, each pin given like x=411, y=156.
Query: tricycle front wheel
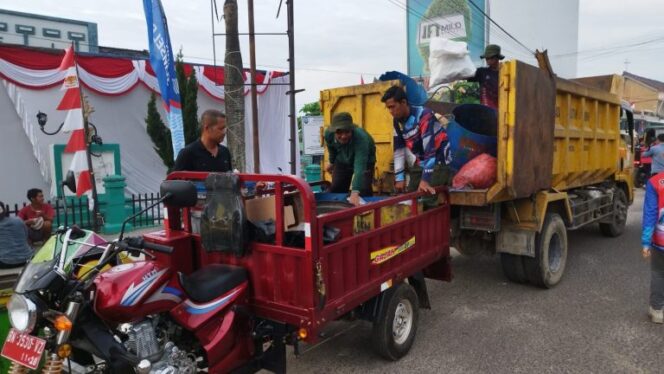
x=396, y=324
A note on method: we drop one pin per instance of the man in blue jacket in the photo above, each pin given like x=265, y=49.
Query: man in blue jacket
x=652, y=243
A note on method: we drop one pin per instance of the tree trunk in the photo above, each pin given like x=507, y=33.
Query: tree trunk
x=234, y=87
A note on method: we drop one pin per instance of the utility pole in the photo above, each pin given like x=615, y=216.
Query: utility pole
x=234, y=87
x=627, y=62
x=291, y=79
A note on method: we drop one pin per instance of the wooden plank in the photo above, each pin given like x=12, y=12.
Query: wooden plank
x=533, y=131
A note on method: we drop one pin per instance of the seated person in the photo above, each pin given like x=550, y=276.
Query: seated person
x=14, y=248
x=38, y=216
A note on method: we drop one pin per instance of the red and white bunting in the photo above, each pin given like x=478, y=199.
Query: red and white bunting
x=71, y=101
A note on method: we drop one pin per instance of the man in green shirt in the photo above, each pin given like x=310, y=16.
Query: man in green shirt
x=352, y=156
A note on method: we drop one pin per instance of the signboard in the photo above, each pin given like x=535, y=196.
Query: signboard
x=311, y=133
x=105, y=161
x=457, y=20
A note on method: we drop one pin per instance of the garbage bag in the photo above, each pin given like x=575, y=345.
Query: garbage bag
x=449, y=61
x=478, y=173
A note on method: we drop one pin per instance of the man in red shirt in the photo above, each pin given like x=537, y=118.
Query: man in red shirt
x=38, y=216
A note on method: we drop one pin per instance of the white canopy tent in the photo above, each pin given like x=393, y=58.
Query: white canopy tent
x=119, y=118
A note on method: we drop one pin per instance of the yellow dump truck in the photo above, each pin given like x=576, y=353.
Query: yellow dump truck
x=561, y=165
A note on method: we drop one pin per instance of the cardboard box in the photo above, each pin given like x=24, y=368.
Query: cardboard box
x=263, y=208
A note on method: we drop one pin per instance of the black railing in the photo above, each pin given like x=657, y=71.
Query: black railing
x=152, y=216
x=78, y=212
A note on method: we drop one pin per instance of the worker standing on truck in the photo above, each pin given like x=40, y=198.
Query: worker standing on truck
x=352, y=156
x=656, y=151
x=652, y=237
x=487, y=77
x=417, y=129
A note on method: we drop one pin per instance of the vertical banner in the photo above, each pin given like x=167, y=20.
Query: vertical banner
x=161, y=59
x=457, y=20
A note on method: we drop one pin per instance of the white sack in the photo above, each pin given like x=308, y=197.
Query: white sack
x=449, y=61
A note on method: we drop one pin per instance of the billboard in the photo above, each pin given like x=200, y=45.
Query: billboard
x=459, y=20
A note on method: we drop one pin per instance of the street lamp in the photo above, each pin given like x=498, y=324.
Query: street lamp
x=42, y=118
x=91, y=137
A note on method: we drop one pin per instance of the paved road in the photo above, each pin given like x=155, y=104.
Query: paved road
x=594, y=321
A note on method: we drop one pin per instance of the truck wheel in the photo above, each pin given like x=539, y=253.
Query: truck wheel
x=395, y=326
x=547, y=268
x=619, y=217
x=513, y=267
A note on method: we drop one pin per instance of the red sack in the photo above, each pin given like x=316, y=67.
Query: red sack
x=478, y=173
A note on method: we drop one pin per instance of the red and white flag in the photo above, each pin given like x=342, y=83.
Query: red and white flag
x=71, y=102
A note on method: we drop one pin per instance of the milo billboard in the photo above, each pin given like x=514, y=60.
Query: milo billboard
x=459, y=20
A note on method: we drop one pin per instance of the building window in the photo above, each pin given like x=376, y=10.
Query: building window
x=77, y=36
x=26, y=31
x=51, y=33
x=3, y=26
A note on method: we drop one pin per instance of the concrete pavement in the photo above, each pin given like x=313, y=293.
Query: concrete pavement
x=594, y=321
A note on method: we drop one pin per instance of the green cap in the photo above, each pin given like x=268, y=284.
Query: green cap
x=342, y=121
x=492, y=50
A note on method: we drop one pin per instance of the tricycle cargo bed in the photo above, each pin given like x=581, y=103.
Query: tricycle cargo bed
x=320, y=280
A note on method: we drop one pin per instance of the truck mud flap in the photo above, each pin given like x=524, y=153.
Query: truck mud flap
x=516, y=241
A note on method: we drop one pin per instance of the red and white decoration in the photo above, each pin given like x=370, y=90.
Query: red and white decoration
x=108, y=76
x=71, y=102
x=118, y=89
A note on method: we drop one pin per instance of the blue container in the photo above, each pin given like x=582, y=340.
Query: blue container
x=471, y=133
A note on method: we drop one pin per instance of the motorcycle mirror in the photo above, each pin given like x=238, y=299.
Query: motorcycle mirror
x=70, y=181
x=177, y=193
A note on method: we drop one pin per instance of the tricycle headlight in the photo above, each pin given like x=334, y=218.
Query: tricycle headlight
x=22, y=313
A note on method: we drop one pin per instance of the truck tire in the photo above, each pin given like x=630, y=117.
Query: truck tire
x=547, y=267
x=619, y=216
x=513, y=267
x=396, y=324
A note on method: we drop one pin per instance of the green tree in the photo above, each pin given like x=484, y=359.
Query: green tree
x=311, y=109
x=190, y=109
x=159, y=133
x=188, y=87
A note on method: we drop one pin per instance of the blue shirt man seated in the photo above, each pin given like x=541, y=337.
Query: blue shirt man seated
x=14, y=248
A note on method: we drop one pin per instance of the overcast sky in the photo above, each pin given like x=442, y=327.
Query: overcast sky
x=338, y=41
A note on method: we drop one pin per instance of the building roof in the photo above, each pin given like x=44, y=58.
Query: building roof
x=659, y=86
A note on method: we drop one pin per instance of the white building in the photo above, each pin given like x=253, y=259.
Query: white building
x=49, y=32
x=538, y=24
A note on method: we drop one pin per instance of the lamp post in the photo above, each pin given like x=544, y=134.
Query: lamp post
x=91, y=137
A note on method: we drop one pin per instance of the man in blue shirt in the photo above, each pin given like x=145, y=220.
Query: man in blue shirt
x=14, y=248
x=657, y=154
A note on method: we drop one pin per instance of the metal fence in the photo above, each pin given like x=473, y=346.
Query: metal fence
x=151, y=217
x=78, y=212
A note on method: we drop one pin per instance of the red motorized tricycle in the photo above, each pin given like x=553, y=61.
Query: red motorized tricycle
x=232, y=279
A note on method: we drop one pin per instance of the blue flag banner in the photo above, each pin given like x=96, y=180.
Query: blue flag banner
x=161, y=59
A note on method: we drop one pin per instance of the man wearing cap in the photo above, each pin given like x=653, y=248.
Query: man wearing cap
x=487, y=77
x=352, y=156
